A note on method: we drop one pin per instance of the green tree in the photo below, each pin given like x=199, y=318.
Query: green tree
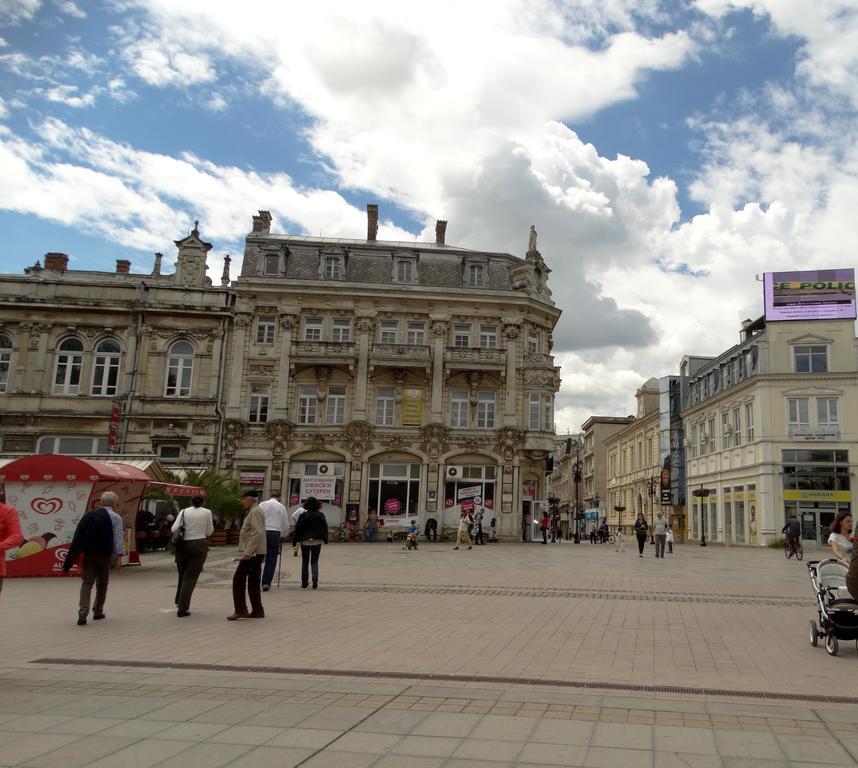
x=223, y=494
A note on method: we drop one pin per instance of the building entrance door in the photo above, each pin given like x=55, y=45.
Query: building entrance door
x=809, y=526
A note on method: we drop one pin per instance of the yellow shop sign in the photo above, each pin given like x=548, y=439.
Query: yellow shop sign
x=804, y=495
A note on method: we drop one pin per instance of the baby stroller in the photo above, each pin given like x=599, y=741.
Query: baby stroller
x=838, y=611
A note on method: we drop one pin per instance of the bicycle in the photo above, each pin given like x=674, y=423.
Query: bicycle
x=799, y=550
x=344, y=533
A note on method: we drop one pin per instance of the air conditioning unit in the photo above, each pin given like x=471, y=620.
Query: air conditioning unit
x=325, y=469
x=454, y=472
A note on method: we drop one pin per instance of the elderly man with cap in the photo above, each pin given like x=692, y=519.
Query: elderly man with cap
x=191, y=554
x=251, y=553
x=276, y=524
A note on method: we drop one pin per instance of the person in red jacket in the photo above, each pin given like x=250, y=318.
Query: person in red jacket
x=543, y=526
x=10, y=533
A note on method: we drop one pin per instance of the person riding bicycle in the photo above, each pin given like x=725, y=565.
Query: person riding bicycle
x=793, y=530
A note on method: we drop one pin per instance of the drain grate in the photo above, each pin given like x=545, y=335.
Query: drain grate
x=592, y=685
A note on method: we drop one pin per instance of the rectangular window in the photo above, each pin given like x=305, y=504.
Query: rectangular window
x=272, y=264
x=548, y=413
x=799, y=412
x=475, y=274
x=332, y=268
x=725, y=430
x=649, y=452
x=826, y=411
x=459, y=408
x=313, y=329
x=388, y=331
x=416, y=333
x=307, y=403
x=384, y=405
x=404, y=271
x=533, y=399
x=737, y=426
x=533, y=341
x=486, y=410
x=258, y=405
x=265, y=325
x=692, y=442
x=632, y=456
x=711, y=435
x=488, y=336
x=341, y=330
x=461, y=335
x=811, y=358
x=749, y=422
x=105, y=375
x=336, y=413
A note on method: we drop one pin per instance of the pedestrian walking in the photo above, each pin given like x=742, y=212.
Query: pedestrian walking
x=463, y=533
x=621, y=541
x=251, y=553
x=99, y=540
x=660, y=530
x=670, y=540
x=431, y=529
x=276, y=525
x=478, y=526
x=641, y=529
x=191, y=554
x=10, y=533
x=543, y=526
x=372, y=525
x=311, y=531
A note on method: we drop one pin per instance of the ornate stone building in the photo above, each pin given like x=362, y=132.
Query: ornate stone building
x=403, y=377
x=99, y=362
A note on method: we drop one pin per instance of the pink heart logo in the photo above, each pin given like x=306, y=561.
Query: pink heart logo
x=46, y=506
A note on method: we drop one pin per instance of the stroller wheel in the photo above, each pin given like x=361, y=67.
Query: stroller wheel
x=831, y=645
x=814, y=634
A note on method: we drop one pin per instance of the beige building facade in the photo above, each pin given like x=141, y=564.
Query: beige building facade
x=771, y=429
x=101, y=362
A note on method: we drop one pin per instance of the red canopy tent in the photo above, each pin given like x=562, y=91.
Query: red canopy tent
x=52, y=491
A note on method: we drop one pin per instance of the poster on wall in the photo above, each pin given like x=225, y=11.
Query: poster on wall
x=412, y=407
x=824, y=294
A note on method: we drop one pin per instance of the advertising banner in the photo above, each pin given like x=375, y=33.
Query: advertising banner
x=825, y=294
x=319, y=487
x=412, y=407
x=468, y=492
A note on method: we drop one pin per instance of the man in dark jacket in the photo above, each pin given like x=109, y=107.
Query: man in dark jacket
x=94, y=540
x=310, y=532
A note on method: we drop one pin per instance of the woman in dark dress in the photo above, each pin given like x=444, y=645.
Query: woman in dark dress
x=641, y=529
x=311, y=531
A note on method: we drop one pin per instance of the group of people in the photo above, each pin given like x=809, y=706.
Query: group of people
x=662, y=534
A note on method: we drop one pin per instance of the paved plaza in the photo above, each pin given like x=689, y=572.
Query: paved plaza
x=505, y=655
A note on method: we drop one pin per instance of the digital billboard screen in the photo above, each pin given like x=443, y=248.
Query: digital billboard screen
x=823, y=294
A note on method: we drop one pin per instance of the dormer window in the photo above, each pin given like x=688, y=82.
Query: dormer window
x=474, y=272
x=332, y=265
x=405, y=269
x=271, y=264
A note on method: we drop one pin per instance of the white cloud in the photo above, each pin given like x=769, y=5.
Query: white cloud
x=70, y=9
x=15, y=11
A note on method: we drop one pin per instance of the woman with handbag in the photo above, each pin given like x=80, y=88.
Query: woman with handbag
x=191, y=530
x=311, y=531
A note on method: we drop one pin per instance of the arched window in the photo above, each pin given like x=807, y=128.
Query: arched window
x=105, y=371
x=5, y=361
x=69, y=365
x=180, y=366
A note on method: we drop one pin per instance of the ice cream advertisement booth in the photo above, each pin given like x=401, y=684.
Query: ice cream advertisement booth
x=52, y=492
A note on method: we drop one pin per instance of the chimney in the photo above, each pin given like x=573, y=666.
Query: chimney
x=440, y=232
x=262, y=222
x=123, y=266
x=58, y=262
x=371, y=221
x=746, y=334
x=156, y=270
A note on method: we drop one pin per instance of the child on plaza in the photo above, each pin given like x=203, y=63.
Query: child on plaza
x=670, y=540
x=620, y=541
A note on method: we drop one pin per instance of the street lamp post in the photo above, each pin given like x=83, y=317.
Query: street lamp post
x=652, y=484
x=702, y=493
x=576, y=477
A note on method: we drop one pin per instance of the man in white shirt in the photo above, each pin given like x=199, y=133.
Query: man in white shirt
x=276, y=525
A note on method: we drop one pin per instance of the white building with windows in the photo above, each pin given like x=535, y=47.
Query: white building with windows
x=93, y=362
x=771, y=428
x=403, y=377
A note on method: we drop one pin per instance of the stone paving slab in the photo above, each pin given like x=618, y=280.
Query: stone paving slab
x=518, y=623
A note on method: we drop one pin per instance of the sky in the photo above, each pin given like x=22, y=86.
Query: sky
x=668, y=153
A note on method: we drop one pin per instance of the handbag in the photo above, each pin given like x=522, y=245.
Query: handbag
x=178, y=538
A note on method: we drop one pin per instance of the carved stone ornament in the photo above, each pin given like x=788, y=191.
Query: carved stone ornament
x=278, y=433
x=511, y=331
x=394, y=442
x=356, y=437
x=233, y=433
x=365, y=325
x=288, y=322
x=317, y=440
x=440, y=327
x=434, y=440
x=509, y=440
